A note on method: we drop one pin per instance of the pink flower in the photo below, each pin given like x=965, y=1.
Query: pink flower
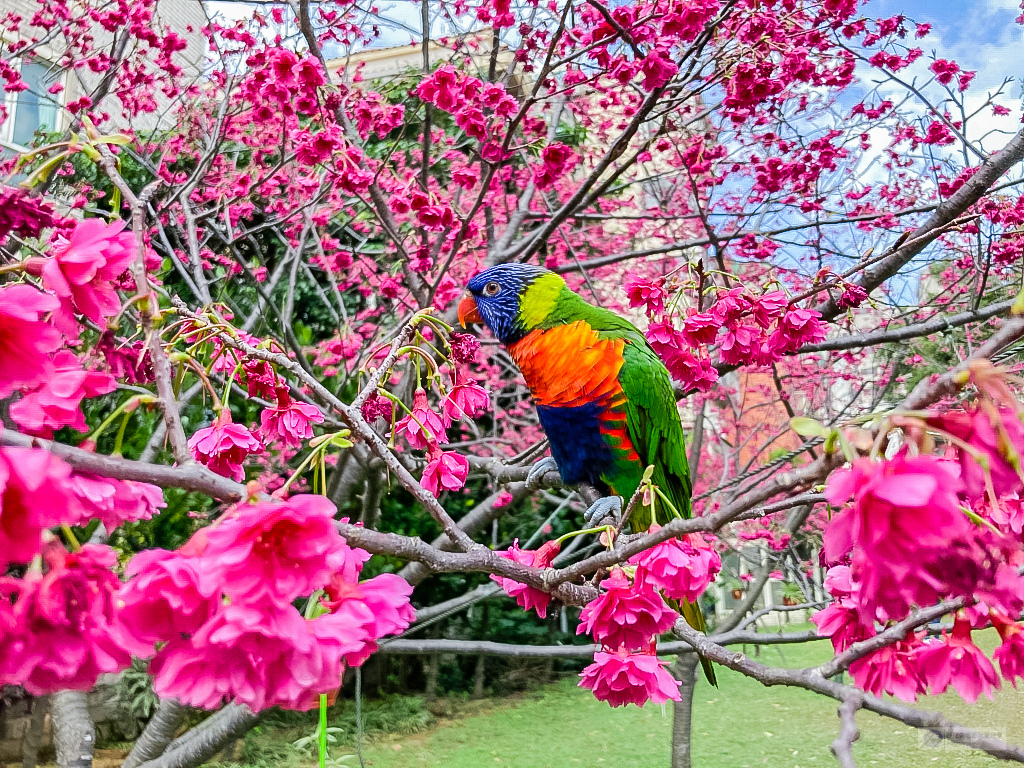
x=25, y=340
x=441, y=88
x=290, y=422
x=223, y=446
x=1010, y=654
x=423, y=427
x=691, y=371
x=622, y=678
x=163, y=599
x=130, y=362
x=23, y=215
x=268, y=550
x=66, y=628
x=627, y=614
x=648, y=294
x=957, y=661
x=904, y=515
x=376, y=406
x=741, y=344
x=465, y=400
x=558, y=159
x=446, y=470
x=658, y=68
x=83, y=269
x=114, y=502
x=382, y=609
x=526, y=596
x=945, y=70
x=681, y=567
x=999, y=439
x=260, y=655
x=55, y=403
x=840, y=622
x=387, y=596
x=465, y=347
x=796, y=328
x=891, y=669
x=700, y=328
x=503, y=500
x=33, y=496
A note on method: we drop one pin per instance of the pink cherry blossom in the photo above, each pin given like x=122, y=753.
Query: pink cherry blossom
x=998, y=437
x=796, y=328
x=376, y=406
x=290, y=422
x=162, y=599
x=446, y=470
x=114, y=502
x=892, y=669
x=465, y=401
x=272, y=550
x=905, y=512
x=423, y=427
x=260, y=656
x=83, y=268
x=622, y=678
x=34, y=495
x=22, y=214
x=700, y=328
x=1010, y=653
x=465, y=347
x=223, y=446
x=380, y=606
x=681, y=567
x=955, y=660
x=56, y=402
x=26, y=342
x=528, y=598
x=648, y=294
x=628, y=613
x=66, y=631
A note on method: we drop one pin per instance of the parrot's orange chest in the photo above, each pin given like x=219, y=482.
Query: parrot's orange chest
x=569, y=365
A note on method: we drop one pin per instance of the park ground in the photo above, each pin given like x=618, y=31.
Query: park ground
x=741, y=723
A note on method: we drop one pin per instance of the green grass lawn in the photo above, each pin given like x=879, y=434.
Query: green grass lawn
x=739, y=724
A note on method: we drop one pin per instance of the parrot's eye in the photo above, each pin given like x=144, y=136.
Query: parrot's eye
x=492, y=289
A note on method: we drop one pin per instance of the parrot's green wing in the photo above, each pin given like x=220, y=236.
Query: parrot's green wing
x=656, y=432
x=654, y=427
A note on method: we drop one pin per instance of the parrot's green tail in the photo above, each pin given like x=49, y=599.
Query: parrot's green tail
x=695, y=618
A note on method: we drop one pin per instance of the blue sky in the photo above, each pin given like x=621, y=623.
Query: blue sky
x=979, y=34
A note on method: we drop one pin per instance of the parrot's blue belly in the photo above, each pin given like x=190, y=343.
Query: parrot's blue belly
x=577, y=445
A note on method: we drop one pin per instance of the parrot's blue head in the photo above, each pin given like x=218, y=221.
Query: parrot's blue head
x=510, y=299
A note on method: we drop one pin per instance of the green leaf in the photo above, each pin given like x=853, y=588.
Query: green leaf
x=805, y=426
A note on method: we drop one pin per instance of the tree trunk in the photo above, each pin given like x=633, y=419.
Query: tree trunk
x=685, y=671
x=433, y=670
x=74, y=734
x=478, y=678
x=34, y=735
x=207, y=739
x=159, y=732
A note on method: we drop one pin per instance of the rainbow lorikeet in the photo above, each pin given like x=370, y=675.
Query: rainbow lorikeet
x=603, y=396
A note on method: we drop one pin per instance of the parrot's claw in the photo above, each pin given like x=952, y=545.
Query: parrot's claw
x=600, y=510
x=538, y=470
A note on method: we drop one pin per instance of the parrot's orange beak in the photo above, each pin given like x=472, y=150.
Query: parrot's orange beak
x=468, y=311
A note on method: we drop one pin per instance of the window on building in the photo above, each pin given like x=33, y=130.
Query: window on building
x=33, y=109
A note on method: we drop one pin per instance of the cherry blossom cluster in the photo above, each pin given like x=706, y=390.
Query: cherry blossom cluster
x=221, y=609
x=743, y=328
x=921, y=528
